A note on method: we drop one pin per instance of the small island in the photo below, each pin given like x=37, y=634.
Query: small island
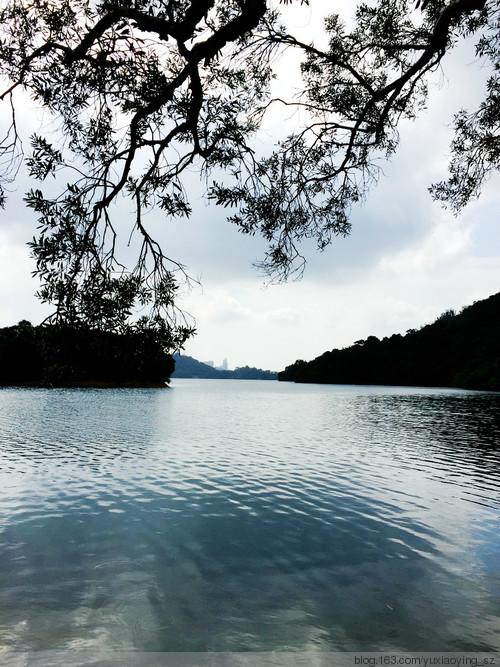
x=457, y=350
x=62, y=356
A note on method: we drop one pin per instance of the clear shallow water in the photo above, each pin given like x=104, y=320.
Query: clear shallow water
x=250, y=516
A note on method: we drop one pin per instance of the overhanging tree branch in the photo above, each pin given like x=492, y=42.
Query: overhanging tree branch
x=145, y=89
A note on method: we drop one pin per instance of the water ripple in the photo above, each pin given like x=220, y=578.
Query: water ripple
x=250, y=516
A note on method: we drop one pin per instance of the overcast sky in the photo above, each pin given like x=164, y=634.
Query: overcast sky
x=406, y=261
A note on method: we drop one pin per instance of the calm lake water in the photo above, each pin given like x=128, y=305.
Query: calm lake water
x=250, y=516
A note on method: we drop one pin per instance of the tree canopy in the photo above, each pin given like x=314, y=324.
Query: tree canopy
x=55, y=355
x=144, y=91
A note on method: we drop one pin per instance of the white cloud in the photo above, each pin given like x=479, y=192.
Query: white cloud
x=284, y=315
x=447, y=241
x=218, y=306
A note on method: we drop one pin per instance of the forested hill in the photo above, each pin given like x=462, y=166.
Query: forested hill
x=457, y=350
x=187, y=367
x=58, y=356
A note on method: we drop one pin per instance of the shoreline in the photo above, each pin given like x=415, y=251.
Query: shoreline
x=90, y=384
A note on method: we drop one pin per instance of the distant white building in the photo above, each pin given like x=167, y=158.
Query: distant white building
x=223, y=366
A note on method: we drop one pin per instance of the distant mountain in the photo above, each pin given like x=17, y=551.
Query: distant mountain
x=457, y=350
x=187, y=367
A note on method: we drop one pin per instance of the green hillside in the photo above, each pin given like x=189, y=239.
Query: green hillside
x=457, y=350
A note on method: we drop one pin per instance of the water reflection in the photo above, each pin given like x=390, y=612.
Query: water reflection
x=250, y=516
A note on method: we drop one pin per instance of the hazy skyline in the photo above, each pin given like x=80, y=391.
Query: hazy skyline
x=406, y=261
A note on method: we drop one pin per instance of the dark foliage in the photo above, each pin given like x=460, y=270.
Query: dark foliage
x=455, y=351
x=62, y=356
x=187, y=367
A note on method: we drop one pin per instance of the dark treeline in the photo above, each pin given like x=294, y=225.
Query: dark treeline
x=187, y=367
x=457, y=350
x=63, y=356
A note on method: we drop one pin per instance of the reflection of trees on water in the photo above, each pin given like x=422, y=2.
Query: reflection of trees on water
x=450, y=435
